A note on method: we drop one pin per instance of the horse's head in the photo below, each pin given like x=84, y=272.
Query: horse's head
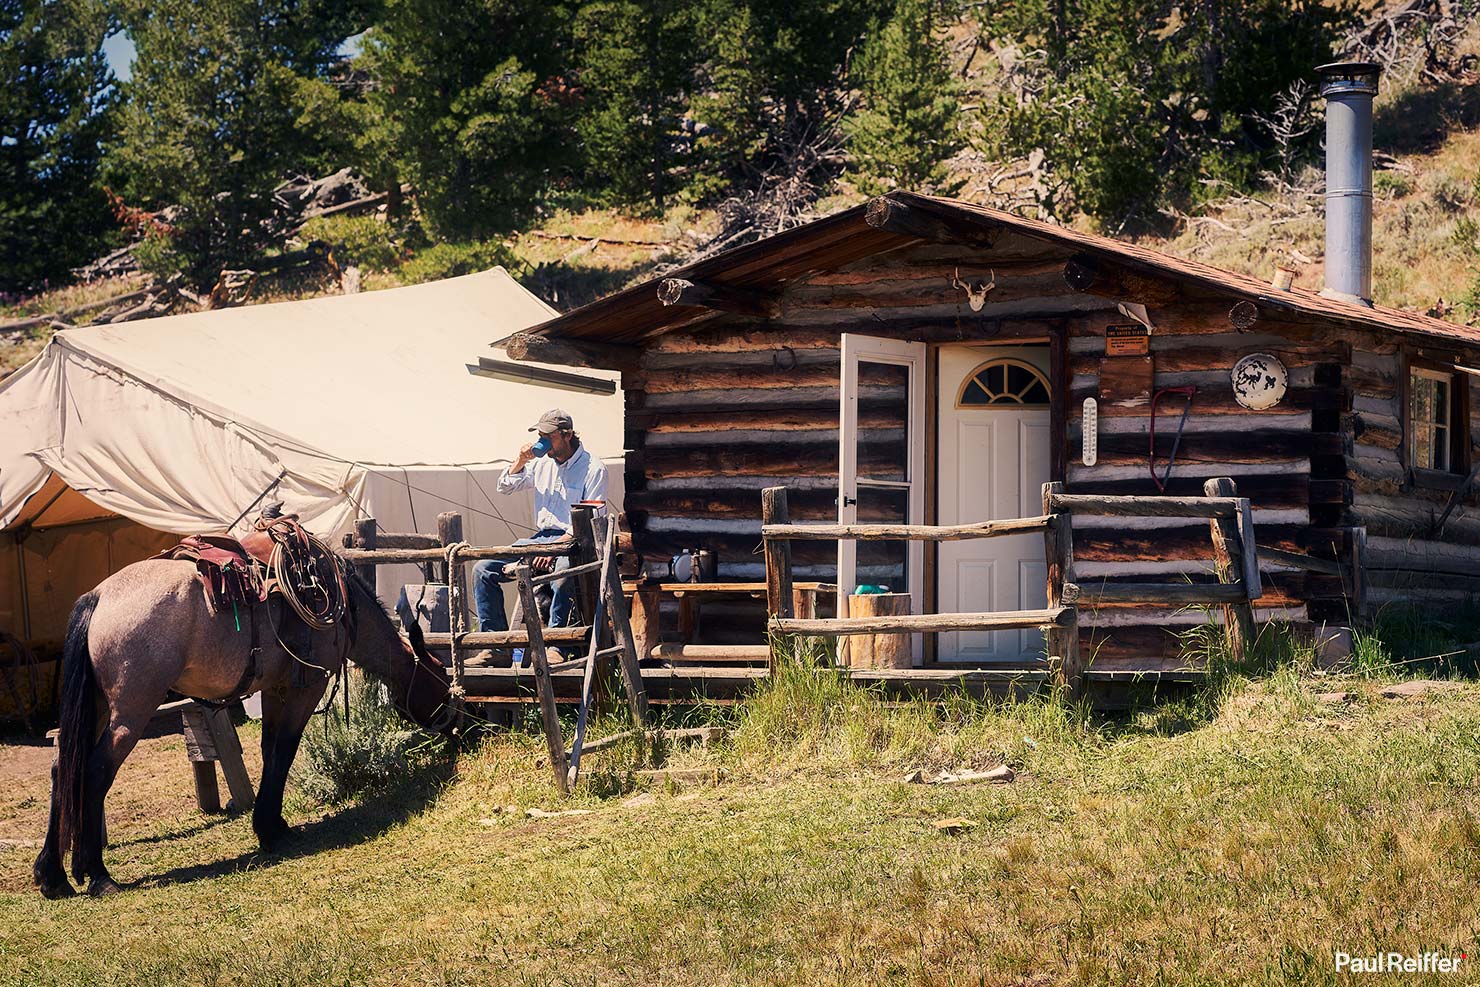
x=397, y=654
x=427, y=698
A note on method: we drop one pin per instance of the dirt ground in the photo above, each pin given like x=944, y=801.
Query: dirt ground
x=154, y=786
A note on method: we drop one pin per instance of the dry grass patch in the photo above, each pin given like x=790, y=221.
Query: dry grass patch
x=1240, y=840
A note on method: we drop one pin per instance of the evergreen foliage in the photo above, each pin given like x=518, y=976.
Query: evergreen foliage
x=56, y=98
x=777, y=77
x=907, y=126
x=474, y=98
x=1135, y=101
x=227, y=98
x=494, y=110
x=637, y=61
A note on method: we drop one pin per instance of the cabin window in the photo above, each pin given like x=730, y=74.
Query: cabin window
x=1432, y=420
x=1003, y=382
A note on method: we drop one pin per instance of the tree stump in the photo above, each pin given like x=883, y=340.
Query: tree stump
x=879, y=650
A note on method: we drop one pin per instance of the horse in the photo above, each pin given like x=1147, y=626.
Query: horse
x=148, y=629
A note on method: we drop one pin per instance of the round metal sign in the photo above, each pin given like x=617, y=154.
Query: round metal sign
x=1259, y=381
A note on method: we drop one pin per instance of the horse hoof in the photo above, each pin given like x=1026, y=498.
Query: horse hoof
x=102, y=886
x=55, y=890
x=272, y=836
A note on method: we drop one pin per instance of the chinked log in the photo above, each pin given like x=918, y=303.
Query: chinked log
x=783, y=420
x=893, y=295
x=704, y=378
x=895, y=267
x=529, y=346
x=1096, y=276
x=1169, y=543
x=805, y=505
x=1270, y=492
x=731, y=338
x=720, y=298
x=1373, y=382
x=737, y=549
x=1233, y=446
x=1297, y=400
x=889, y=215
x=1187, y=359
x=877, y=460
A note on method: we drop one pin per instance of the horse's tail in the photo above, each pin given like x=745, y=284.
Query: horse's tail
x=78, y=727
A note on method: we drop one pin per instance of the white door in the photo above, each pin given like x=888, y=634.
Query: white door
x=881, y=464
x=994, y=460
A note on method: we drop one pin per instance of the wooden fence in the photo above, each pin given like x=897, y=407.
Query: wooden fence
x=607, y=633
x=1231, y=529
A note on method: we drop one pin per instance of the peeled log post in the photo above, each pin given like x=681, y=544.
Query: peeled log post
x=526, y=346
x=721, y=298
x=1062, y=641
x=879, y=650
x=364, y=541
x=1238, y=618
x=554, y=740
x=777, y=553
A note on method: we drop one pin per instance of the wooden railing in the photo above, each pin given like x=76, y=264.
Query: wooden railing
x=1235, y=554
x=1059, y=622
x=1231, y=530
x=607, y=633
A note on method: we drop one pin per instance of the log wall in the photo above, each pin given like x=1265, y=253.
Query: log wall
x=1408, y=560
x=718, y=411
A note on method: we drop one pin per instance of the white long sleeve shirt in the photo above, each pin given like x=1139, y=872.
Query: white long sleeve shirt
x=557, y=486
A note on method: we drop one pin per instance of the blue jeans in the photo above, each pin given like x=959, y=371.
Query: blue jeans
x=488, y=580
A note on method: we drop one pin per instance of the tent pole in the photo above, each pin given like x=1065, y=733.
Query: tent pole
x=20, y=558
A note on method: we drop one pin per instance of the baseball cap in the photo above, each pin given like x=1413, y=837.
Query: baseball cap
x=554, y=420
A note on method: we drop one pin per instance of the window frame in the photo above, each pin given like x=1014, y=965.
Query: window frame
x=1005, y=361
x=1460, y=458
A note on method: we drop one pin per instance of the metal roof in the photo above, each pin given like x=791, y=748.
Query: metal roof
x=636, y=312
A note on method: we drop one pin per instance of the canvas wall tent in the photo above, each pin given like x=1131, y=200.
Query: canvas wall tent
x=117, y=439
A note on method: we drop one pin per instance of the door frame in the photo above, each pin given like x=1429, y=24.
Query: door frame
x=1057, y=342
x=860, y=348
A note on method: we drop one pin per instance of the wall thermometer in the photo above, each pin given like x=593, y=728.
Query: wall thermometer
x=1091, y=453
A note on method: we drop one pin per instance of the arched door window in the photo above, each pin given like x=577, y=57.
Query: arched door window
x=1004, y=383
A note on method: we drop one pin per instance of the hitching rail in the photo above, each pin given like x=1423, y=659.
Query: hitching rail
x=1230, y=522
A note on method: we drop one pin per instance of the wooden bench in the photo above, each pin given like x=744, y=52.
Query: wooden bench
x=647, y=597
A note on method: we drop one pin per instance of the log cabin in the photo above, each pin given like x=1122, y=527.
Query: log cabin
x=930, y=361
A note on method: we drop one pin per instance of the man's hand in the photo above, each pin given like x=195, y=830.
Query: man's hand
x=525, y=455
x=543, y=564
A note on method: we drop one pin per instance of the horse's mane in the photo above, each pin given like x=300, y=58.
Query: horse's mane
x=380, y=612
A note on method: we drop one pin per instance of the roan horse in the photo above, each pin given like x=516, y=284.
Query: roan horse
x=146, y=630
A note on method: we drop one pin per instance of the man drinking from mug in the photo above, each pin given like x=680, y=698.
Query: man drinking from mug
x=563, y=473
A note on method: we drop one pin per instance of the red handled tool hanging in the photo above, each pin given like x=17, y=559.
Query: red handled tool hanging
x=1187, y=392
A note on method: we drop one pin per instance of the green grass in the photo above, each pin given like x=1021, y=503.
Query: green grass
x=1236, y=841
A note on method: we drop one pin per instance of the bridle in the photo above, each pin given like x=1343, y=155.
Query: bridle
x=447, y=713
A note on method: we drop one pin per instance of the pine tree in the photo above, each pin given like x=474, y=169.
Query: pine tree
x=1135, y=102
x=475, y=99
x=56, y=96
x=227, y=98
x=777, y=76
x=907, y=126
x=636, y=70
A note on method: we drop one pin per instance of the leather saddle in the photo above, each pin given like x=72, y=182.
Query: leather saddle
x=229, y=573
x=245, y=571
